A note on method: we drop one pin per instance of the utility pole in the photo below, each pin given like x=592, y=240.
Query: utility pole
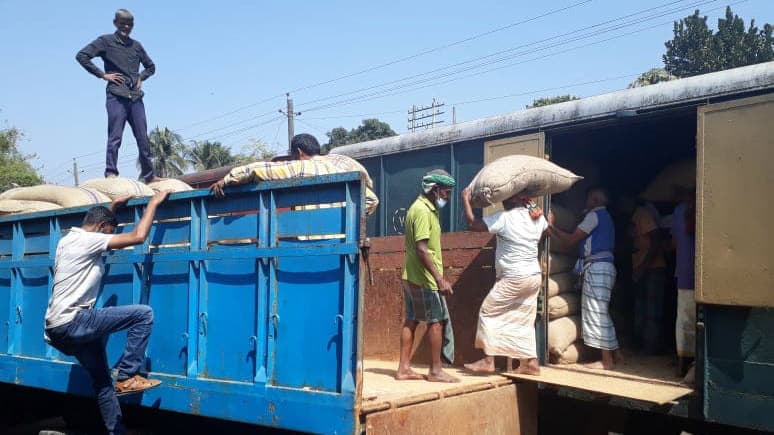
x=454, y=114
x=75, y=172
x=290, y=114
x=425, y=112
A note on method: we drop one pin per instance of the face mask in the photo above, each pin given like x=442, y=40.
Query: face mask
x=440, y=202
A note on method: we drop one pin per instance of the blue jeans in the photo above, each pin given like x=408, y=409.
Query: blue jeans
x=649, y=310
x=119, y=111
x=84, y=337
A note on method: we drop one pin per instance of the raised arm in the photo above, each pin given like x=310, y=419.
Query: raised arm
x=474, y=223
x=141, y=230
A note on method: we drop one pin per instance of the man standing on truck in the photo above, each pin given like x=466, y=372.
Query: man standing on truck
x=424, y=287
x=122, y=56
x=506, y=320
x=597, y=233
x=75, y=327
x=306, y=162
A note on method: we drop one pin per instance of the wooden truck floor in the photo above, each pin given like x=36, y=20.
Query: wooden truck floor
x=477, y=404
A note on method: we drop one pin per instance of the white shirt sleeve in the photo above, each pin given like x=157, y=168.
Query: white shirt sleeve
x=589, y=223
x=494, y=222
x=94, y=243
x=542, y=224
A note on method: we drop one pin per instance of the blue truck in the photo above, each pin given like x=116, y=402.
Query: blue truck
x=257, y=300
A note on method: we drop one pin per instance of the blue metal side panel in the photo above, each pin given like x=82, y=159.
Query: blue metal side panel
x=168, y=295
x=117, y=289
x=231, y=339
x=34, y=300
x=308, y=346
x=5, y=308
x=739, y=367
x=255, y=314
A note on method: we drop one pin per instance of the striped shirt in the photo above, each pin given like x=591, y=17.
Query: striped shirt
x=317, y=165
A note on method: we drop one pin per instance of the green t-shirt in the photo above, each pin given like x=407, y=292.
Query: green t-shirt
x=422, y=223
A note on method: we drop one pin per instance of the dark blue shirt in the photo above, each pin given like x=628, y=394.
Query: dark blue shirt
x=119, y=57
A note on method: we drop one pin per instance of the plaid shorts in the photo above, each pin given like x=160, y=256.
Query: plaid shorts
x=423, y=304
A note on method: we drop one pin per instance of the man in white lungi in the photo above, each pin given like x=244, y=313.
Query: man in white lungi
x=506, y=321
x=597, y=233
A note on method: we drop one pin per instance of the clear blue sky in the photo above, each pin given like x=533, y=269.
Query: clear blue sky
x=214, y=58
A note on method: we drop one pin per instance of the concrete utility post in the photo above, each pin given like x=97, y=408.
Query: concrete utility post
x=291, y=115
x=75, y=172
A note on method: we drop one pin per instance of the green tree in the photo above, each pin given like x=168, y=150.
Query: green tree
x=253, y=151
x=15, y=167
x=205, y=155
x=651, y=77
x=369, y=129
x=168, y=153
x=546, y=101
x=695, y=49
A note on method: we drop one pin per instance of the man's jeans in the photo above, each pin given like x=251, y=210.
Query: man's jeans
x=119, y=111
x=649, y=310
x=84, y=337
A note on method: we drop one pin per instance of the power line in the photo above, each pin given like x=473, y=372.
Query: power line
x=393, y=62
x=389, y=91
x=617, y=25
x=441, y=47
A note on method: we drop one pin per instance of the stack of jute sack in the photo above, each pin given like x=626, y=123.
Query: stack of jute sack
x=564, y=301
x=92, y=192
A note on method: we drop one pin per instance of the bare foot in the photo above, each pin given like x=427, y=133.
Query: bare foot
x=441, y=376
x=408, y=375
x=619, y=357
x=599, y=365
x=528, y=368
x=481, y=366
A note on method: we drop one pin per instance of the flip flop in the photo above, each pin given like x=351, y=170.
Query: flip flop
x=135, y=384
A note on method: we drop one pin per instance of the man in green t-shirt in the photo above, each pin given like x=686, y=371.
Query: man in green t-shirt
x=424, y=287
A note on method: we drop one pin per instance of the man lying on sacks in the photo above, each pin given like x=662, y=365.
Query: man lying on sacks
x=306, y=162
x=597, y=233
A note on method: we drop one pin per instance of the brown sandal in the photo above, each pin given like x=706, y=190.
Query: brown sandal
x=135, y=384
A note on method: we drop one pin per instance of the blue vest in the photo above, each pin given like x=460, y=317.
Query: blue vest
x=599, y=245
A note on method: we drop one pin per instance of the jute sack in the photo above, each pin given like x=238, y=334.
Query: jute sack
x=19, y=206
x=514, y=174
x=564, y=217
x=679, y=174
x=172, y=184
x=559, y=263
x=563, y=305
x=117, y=187
x=560, y=283
x=574, y=353
x=63, y=196
x=562, y=333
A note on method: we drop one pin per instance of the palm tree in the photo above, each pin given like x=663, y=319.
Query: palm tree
x=209, y=155
x=167, y=150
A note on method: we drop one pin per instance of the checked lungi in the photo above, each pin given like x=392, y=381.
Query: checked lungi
x=597, y=327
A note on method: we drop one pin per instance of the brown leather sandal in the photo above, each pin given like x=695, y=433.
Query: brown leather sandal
x=135, y=384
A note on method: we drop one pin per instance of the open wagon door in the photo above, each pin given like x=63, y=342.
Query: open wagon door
x=734, y=263
x=735, y=181
x=633, y=384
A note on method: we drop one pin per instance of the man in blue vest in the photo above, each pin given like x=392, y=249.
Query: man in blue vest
x=597, y=234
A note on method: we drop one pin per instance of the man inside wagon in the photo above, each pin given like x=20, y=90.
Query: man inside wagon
x=597, y=234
